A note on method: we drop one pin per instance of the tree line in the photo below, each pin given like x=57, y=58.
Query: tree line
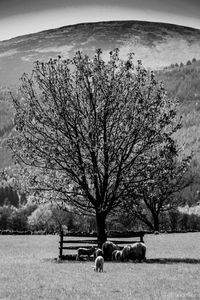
x=47, y=219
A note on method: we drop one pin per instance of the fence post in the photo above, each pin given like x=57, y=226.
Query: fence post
x=141, y=236
x=61, y=245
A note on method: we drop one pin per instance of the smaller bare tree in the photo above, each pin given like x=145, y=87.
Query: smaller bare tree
x=167, y=176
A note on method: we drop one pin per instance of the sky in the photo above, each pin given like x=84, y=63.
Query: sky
x=19, y=17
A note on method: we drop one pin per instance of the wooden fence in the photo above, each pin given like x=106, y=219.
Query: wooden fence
x=66, y=243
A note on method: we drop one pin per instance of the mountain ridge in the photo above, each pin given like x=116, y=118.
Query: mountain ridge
x=93, y=23
x=156, y=44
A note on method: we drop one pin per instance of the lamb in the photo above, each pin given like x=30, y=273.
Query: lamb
x=136, y=251
x=98, y=264
x=85, y=252
x=108, y=248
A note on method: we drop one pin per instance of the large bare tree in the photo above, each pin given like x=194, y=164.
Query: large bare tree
x=87, y=127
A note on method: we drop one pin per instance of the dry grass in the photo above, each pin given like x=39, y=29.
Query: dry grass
x=28, y=271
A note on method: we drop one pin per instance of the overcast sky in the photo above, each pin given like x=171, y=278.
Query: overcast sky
x=18, y=17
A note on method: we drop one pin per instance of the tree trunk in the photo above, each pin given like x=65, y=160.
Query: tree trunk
x=101, y=229
x=156, y=222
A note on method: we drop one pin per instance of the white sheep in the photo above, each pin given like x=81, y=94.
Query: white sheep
x=113, y=254
x=118, y=255
x=136, y=251
x=98, y=264
x=85, y=252
x=126, y=252
x=108, y=247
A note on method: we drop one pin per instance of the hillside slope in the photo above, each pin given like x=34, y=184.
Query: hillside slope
x=157, y=44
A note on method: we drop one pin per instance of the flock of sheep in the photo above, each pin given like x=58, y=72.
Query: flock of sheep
x=111, y=252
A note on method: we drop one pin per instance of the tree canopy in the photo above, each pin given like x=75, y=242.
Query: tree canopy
x=91, y=130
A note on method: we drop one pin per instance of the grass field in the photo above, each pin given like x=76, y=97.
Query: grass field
x=28, y=271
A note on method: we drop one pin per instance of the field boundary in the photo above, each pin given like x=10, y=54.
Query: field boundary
x=65, y=240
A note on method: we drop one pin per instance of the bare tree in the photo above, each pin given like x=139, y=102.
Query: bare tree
x=168, y=175
x=87, y=127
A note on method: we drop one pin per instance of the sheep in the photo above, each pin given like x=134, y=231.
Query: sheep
x=118, y=255
x=98, y=252
x=126, y=252
x=98, y=264
x=113, y=254
x=136, y=251
x=85, y=252
x=108, y=248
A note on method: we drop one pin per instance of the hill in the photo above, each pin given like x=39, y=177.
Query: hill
x=156, y=44
x=183, y=82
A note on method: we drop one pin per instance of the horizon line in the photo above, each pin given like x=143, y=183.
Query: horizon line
x=97, y=22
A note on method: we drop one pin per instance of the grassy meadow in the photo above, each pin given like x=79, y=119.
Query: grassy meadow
x=28, y=271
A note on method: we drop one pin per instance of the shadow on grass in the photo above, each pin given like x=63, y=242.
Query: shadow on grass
x=147, y=261
x=172, y=260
